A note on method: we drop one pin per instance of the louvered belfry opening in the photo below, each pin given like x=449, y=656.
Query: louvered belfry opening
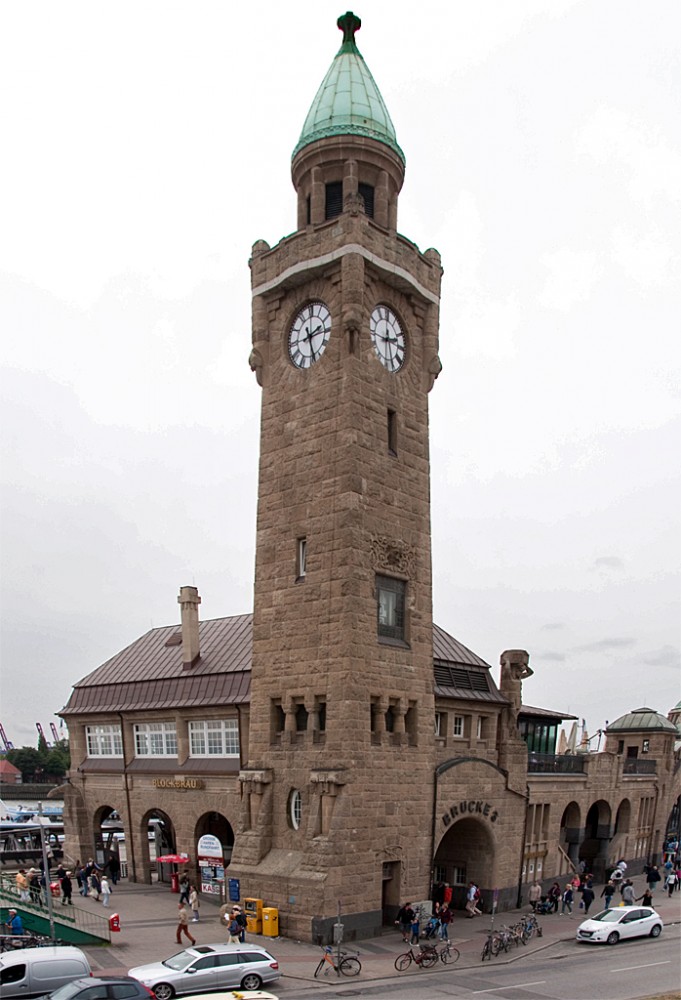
x=461, y=677
x=367, y=193
x=334, y=200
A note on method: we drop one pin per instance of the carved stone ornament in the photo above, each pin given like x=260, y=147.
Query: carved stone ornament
x=353, y=204
x=434, y=369
x=255, y=363
x=393, y=556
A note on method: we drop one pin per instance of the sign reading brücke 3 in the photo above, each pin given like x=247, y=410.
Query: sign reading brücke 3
x=181, y=784
x=471, y=807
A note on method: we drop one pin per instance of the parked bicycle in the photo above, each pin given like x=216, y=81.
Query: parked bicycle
x=530, y=926
x=10, y=942
x=425, y=958
x=504, y=937
x=449, y=954
x=347, y=965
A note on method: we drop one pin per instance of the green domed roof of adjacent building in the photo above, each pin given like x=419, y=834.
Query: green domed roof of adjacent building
x=642, y=719
x=348, y=101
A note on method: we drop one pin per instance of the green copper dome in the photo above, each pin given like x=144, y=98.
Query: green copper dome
x=641, y=719
x=348, y=101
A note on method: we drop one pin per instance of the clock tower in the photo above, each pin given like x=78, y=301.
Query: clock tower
x=337, y=785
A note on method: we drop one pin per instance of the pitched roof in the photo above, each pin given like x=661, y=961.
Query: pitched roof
x=148, y=674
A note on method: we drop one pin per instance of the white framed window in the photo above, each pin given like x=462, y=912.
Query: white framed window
x=155, y=739
x=295, y=808
x=440, y=723
x=439, y=873
x=481, y=728
x=104, y=741
x=457, y=730
x=214, y=738
x=459, y=875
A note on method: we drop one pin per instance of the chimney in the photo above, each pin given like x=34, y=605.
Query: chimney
x=189, y=601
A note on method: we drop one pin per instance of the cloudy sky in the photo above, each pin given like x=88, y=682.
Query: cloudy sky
x=146, y=146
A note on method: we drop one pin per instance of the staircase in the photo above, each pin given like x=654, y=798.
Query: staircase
x=72, y=924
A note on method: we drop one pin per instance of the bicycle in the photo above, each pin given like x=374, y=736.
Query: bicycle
x=487, y=951
x=425, y=958
x=530, y=926
x=449, y=954
x=348, y=964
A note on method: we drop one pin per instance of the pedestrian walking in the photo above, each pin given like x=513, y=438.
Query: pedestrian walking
x=446, y=917
x=105, y=890
x=183, y=924
x=240, y=917
x=184, y=888
x=535, y=895
x=233, y=929
x=568, y=897
x=670, y=882
x=404, y=918
x=22, y=886
x=653, y=878
x=587, y=898
x=194, y=903
x=415, y=927
x=608, y=892
x=628, y=897
x=66, y=889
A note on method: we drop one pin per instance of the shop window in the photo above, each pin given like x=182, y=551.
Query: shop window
x=390, y=598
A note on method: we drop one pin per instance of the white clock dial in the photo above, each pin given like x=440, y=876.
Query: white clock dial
x=309, y=334
x=388, y=338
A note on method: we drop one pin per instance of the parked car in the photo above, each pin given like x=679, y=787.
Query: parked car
x=33, y=972
x=234, y=995
x=102, y=988
x=208, y=967
x=609, y=926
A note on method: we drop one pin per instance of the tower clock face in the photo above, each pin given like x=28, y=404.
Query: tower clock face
x=309, y=334
x=388, y=338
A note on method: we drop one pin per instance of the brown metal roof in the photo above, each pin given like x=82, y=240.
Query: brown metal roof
x=544, y=713
x=148, y=674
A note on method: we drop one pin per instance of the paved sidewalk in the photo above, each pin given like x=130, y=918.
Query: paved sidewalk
x=149, y=918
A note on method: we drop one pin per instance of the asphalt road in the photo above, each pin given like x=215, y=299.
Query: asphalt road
x=566, y=971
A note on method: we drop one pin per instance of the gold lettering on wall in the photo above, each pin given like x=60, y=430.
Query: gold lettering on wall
x=181, y=784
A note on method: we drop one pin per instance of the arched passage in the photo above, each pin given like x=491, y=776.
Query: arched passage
x=597, y=833
x=466, y=853
x=157, y=837
x=215, y=852
x=571, y=832
x=107, y=836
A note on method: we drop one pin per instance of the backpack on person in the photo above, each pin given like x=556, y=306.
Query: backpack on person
x=234, y=927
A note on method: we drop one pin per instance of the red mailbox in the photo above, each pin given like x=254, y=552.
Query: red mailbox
x=114, y=922
x=174, y=882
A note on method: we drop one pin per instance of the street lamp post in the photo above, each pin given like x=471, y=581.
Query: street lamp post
x=46, y=871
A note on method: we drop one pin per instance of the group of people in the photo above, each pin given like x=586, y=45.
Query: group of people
x=437, y=925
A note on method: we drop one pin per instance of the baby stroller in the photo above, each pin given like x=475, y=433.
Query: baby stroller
x=431, y=928
x=544, y=906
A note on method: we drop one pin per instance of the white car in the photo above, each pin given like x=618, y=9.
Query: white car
x=609, y=926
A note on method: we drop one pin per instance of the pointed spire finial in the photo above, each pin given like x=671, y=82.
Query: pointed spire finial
x=349, y=23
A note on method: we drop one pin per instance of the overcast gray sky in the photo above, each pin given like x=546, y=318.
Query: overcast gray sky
x=146, y=146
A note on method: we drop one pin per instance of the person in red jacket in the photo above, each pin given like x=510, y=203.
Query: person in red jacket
x=447, y=894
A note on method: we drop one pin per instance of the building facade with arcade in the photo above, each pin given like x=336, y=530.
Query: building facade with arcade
x=338, y=743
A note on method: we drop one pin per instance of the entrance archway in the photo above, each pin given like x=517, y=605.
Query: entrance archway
x=157, y=837
x=466, y=854
x=596, y=844
x=108, y=836
x=571, y=832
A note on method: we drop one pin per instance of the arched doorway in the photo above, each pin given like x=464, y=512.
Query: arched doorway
x=571, y=832
x=214, y=843
x=157, y=837
x=596, y=844
x=108, y=836
x=466, y=854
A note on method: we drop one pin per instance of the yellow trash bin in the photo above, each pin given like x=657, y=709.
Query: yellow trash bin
x=270, y=921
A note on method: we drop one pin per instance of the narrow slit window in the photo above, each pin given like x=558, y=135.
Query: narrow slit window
x=301, y=558
x=392, y=432
x=367, y=193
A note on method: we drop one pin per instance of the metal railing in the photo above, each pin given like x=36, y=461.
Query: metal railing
x=75, y=917
x=549, y=763
x=632, y=765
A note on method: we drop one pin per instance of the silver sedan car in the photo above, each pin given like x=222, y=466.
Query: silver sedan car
x=209, y=967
